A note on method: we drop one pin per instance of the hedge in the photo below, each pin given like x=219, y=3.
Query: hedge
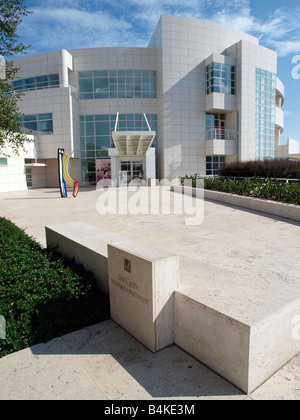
x=42, y=294
x=268, y=189
x=278, y=168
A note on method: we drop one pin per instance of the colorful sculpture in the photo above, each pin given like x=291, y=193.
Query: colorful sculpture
x=64, y=177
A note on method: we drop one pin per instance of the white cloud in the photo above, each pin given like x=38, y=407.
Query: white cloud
x=55, y=28
x=241, y=21
x=291, y=114
x=286, y=47
x=279, y=29
x=76, y=24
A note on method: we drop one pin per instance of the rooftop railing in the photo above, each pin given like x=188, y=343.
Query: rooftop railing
x=24, y=90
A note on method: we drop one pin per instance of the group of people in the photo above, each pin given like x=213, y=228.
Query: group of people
x=124, y=178
x=104, y=177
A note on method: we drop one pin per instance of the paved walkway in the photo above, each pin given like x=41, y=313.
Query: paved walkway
x=103, y=361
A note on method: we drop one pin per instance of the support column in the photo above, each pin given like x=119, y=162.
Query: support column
x=66, y=65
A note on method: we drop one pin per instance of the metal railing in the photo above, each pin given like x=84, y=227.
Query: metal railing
x=72, y=89
x=220, y=134
x=283, y=180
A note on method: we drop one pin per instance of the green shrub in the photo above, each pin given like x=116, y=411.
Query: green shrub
x=42, y=295
x=278, y=168
x=268, y=188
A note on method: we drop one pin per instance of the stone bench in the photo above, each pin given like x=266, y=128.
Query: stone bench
x=244, y=328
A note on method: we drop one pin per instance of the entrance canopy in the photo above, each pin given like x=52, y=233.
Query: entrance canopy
x=133, y=143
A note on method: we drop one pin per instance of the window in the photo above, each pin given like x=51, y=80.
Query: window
x=104, y=84
x=214, y=163
x=41, y=124
x=265, y=115
x=220, y=78
x=3, y=161
x=36, y=83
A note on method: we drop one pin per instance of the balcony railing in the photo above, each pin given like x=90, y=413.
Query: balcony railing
x=220, y=134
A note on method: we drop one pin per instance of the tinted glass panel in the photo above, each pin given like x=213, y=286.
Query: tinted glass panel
x=103, y=84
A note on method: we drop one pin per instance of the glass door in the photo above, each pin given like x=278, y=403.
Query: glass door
x=125, y=174
x=137, y=169
x=131, y=170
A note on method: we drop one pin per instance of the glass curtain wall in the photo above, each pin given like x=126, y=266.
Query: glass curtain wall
x=96, y=138
x=36, y=83
x=265, y=115
x=104, y=84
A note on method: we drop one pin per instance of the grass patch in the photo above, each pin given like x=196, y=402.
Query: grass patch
x=268, y=189
x=42, y=294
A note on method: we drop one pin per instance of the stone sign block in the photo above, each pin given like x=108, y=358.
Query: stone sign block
x=142, y=281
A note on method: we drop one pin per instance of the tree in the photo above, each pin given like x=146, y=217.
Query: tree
x=11, y=131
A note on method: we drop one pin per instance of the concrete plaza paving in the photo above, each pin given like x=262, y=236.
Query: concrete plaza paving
x=103, y=361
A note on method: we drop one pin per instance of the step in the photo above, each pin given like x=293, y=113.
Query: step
x=244, y=329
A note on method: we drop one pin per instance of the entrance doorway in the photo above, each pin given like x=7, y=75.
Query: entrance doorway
x=29, y=177
x=130, y=170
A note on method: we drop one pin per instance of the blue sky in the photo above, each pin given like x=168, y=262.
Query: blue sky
x=57, y=24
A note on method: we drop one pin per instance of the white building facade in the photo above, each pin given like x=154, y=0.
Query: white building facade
x=209, y=93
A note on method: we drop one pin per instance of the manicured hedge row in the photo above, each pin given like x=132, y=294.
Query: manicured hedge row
x=278, y=168
x=268, y=189
x=42, y=295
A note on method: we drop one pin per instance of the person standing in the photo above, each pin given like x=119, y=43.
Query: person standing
x=140, y=178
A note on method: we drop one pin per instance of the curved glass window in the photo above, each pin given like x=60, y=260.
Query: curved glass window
x=36, y=83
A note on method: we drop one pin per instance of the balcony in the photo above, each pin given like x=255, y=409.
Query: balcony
x=221, y=142
x=220, y=134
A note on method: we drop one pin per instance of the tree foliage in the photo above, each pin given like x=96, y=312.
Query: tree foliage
x=11, y=14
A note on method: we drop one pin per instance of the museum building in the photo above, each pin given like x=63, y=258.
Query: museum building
x=201, y=94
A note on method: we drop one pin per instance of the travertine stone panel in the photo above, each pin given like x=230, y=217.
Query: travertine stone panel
x=142, y=281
